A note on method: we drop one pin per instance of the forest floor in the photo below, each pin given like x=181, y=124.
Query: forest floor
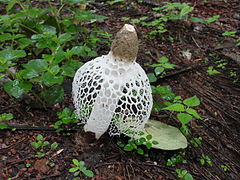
x=219, y=95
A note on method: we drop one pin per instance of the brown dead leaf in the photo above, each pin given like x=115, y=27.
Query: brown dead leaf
x=41, y=166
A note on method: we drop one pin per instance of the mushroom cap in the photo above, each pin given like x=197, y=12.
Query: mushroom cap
x=125, y=45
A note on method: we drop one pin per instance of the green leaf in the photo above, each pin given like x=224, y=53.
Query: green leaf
x=73, y=169
x=168, y=137
x=82, y=15
x=10, y=54
x=39, y=137
x=28, y=73
x=175, y=107
x=38, y=65
x=54, y=145
x=17, y=88
x=68, y=71
x=11, y=3
x=188, y=177
x=165, y=92
x=53, y=94
x=151, y=77
x=76, y=162
x=88, y=173
x=46, y=143
x=3, y=126
x=128, y=147
x=24, y=42
x=5, y=37
x=192, y=101
x=6, y=116
x=185, y=10
x=184, y=118
x=168, y=65
x=163, y=59
x=140, y=151
x=149, y=137
x=64, y=38
x=49, y=79
x=212, y=71
x=54, y=69
x=49, y=29
x=158, y=70
x=149, y=145
x=194, y=113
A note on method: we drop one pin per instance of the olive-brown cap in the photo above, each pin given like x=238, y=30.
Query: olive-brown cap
x=125, y=45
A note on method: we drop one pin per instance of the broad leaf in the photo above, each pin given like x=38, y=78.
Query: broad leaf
x=175, y=107
x=158, y=70
x=64, y=38
x=82, y=15
x=88, y=173
x=17, y=88
x=53, y=94
x=192, y=101
x=10, y=54
x=194, y=113
x=28, y=73
x=151, y=77
x=38, y=65
x=168, y=137
x=184, y=118
x=49, y=79
x=68, y=71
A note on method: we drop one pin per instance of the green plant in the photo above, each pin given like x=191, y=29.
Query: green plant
x=212, y=71
x=183, y=174
x=196, y=141
x=134, y=144
x=229, y=33
x=66, y=117
x=114, y=2
x=5, y=117
x=173, y=12
x=171, y=102
x=159, y=68
x=205, y=159
x=39, y=144
x=80, y=168
x=185, y=112
x=176, y=158
x=28, y=165
x=225, y=168
x=54, y=44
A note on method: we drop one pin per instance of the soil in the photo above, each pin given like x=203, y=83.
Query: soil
x=219, y=94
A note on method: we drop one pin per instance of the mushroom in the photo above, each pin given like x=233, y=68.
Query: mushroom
x=113, y=91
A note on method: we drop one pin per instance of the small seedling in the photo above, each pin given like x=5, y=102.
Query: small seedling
x=212, y=71
x=159, y=68
x=229, y=33
x=80, y=168
x=66, y=117
x=5, y=117
x=206, y=160
x=185, y=112
x=183, y=174
x=39, y=144
x=225, y=168
x=134, y=144
x=176, y=158
x=196, y=141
